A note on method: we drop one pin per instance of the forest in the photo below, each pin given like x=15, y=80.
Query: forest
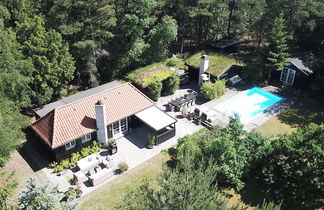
x=50, y=48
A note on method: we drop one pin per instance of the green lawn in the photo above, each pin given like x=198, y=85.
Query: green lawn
x=289, y=120
x=217, y=63
x=109, y=195
x=275, y=127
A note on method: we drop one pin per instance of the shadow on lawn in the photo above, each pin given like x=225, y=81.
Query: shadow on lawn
x=303, y=113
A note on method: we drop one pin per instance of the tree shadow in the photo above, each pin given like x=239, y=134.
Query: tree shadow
x=303, y=113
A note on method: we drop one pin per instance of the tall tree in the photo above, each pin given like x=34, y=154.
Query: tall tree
x=184, y=187
x=15, y=70
x=53, y=65
x=88, y=26
x=277, y=48
x=293, y=168
x=11, y=125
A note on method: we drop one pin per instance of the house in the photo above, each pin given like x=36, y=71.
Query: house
x=299, y=70
x=98, y=114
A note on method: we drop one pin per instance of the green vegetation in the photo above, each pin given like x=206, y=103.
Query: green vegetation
x=156, y=71
x=211, y=90
x=11, y=125
x=292, y=169
x=146, y=75
x=75, y=157
x=154, y=90
x=112, y=193
x=172, y=84
x=217, y=63
x=45, y=196
x=276, y=58
x=123, y=166
x=7, y=188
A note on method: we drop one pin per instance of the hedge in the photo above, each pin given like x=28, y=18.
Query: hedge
x=211, y=90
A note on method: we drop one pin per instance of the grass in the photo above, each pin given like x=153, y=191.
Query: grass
x=109, y=195
x=301, y=114
x=145, y=75
x=217, y=63
x=274, y=127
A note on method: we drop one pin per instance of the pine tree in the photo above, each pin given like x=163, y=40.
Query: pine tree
x=277, y=48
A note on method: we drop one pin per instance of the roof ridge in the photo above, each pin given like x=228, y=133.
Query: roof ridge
x=118, y=86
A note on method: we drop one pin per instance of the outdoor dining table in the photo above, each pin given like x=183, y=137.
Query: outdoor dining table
x=177, y=103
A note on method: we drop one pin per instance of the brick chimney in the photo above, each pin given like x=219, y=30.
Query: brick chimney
x=203, y=67
x=102, y=134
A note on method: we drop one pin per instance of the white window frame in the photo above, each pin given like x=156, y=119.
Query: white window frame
x=287, y=71
x=86, y=138
x=70, y=145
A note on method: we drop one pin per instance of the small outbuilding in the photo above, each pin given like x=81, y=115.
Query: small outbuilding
x=299, y=70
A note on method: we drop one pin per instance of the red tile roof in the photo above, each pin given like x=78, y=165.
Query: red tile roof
x=76, y=119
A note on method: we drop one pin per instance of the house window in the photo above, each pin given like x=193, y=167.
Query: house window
x=86, y=138
x=70, y=145
x=287, y=76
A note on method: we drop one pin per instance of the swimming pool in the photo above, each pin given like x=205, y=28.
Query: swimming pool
x=248, y=104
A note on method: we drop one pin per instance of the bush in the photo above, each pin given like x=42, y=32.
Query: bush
x=211, y=90
x=85, y=152
x=95, y=147
x=65, y=163
x=75, y=157
x=154, y=90
x=172, y=83
x=123, y=166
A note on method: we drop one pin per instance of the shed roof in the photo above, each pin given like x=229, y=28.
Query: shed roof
x=303, y=61
x=42, y=111
x=78, y=118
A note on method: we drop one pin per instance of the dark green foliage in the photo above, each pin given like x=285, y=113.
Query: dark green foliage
x=172, y=83
x=7, y=189
x=15, y=70
x=154, y=90
x=53, y=66
x=293, y=168
x=231, y=148
x=211, y=90
x=11, y=125
x=277, y=49
x=185, y=187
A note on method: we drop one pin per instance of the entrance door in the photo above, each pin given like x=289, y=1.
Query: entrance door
x=287, y=76
x=120, y=128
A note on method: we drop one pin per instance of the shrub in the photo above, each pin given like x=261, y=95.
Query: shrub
x=85, y=152
x=65, y=163
x=75, y=157
x=151, y=138
x=211, y=90
x=58, y=168
x=123, y=166
x=154, y=90
x=172, y=83
x=95, y=147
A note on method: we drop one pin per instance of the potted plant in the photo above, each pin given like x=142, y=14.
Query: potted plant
x=151, y=140
x=184, y=112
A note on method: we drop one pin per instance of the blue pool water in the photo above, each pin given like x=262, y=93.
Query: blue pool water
x=248, y=104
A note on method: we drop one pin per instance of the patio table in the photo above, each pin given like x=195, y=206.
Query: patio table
x=88, y=162
x=184, y=99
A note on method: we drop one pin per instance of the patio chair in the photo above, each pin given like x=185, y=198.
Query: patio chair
x=170, y=107
x=193, y=102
